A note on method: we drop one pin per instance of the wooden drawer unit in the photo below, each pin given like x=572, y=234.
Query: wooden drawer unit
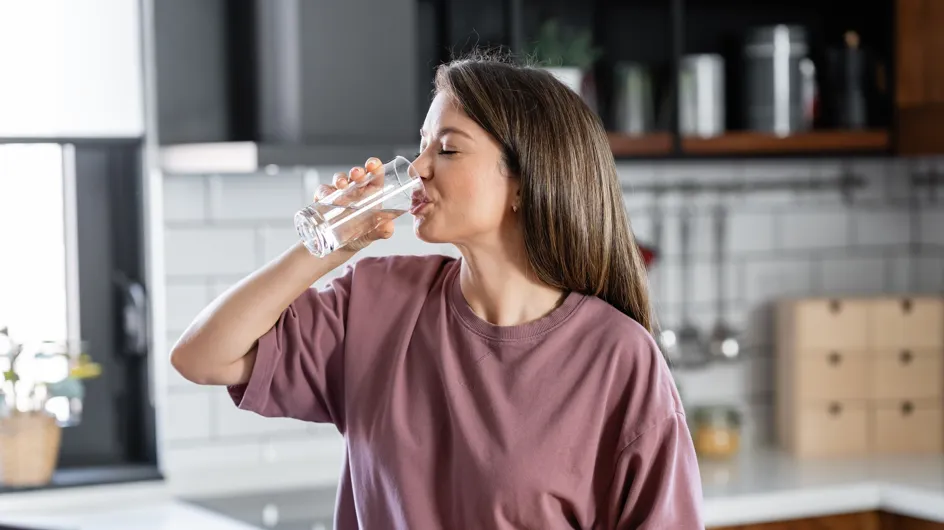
x=906, y=374
x=907, y=323
x=834, y=428
x=829, y=323
x=860, y=375
x=906, y=426
x=833, y=374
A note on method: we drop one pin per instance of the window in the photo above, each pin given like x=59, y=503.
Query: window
x=71, y=270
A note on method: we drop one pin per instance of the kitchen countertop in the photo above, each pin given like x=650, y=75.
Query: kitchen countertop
x=146, y=506
x=756, y=487
x=769, y=485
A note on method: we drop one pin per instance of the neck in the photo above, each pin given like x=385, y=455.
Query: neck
x=499, y=285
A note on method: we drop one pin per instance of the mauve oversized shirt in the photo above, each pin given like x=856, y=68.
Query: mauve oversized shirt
x=569, y=421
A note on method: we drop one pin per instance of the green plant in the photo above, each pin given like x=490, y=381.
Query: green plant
x=561, y=46
x=32, y=376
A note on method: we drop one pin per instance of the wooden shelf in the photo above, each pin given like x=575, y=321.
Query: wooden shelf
x=654, y=144
x=749, y=143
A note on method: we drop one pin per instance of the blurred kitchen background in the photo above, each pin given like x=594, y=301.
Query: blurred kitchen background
x=782, y=163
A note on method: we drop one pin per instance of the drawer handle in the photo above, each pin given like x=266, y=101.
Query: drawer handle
x=906, y=356
x=835, y=306
x=834, y=358
x=835, y=409
x=907, y=408
x=907, y=305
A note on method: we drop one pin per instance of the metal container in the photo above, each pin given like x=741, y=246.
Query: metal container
x=635, y=113
x=781, y=80
x=701, y=95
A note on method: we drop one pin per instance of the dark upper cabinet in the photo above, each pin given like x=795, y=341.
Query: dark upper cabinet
x=647, y=83
x=191, y=71
x=287, y=73
x=304, y=73
x=920, y=76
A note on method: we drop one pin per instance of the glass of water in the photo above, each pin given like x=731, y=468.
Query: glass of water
x=347, y=214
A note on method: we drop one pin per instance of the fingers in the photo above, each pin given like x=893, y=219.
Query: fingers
x=359, y=175
x=385, y=231
x=323, y=191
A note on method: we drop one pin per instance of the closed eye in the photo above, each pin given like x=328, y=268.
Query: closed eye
x=441, y=152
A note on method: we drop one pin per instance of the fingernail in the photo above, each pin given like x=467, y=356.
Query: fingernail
x=372, y=163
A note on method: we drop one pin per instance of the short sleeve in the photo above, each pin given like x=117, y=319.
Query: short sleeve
x=657, y=483
x=299, y=366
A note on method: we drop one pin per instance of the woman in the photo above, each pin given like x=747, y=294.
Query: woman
x=516, y=387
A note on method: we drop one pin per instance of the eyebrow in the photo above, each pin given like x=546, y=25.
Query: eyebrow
x=446, y=130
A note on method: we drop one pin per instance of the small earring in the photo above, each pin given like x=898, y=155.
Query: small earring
x=514, y=208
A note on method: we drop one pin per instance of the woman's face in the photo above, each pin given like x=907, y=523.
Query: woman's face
x=468, y=193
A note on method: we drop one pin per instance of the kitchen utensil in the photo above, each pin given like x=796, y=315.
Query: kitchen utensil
x=723, y=343
x=665, y=337
x=635, y=114
x=691, y=347
x=780, y=80
x=701, y=95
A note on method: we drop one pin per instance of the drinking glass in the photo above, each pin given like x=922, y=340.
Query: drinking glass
x=350, y=213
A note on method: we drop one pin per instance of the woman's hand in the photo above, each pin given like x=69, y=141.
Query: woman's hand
x=357, y=176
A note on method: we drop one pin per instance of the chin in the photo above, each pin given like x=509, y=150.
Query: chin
x=427, y=232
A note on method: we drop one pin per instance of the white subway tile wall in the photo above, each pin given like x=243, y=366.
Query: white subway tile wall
x=190, y=416
x=876, y=227
x=780, y=243
x=185, y=198
x=207, y=250
x=854, y=275
x=256, y=197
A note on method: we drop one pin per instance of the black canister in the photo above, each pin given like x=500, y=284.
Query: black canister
x=848, y=84
x=780, y=79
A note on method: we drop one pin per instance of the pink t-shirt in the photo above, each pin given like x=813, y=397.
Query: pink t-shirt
x=570, y=421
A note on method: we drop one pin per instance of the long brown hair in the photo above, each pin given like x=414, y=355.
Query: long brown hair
x=576, y=229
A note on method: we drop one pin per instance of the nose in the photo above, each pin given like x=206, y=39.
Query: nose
x=422, y=166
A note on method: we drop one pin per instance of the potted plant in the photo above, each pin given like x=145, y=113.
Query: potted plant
x=567, y=54
x=41, y=391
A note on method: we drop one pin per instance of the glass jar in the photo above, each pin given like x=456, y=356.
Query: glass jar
x=717, y=431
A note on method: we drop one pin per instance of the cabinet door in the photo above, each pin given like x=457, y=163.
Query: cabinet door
x=71, y=69
x=920, y=76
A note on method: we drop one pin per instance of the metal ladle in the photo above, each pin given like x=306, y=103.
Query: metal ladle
x=691, y=346
x=723, y=344
x=665, y=337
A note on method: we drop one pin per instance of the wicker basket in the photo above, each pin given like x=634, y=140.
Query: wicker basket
x=29, y=449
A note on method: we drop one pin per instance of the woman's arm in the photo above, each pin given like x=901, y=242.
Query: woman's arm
x=657, y=482
x=218, y=348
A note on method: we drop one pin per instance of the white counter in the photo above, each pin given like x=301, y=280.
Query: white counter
x=754, y=488
x=769, y=486
x=120, y=507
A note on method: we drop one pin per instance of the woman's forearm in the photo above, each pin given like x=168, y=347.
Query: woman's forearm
x=219, y=345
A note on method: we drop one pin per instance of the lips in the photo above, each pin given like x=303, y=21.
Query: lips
x=420, y=200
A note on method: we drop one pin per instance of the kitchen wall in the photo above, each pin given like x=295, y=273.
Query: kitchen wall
x=888, y=238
